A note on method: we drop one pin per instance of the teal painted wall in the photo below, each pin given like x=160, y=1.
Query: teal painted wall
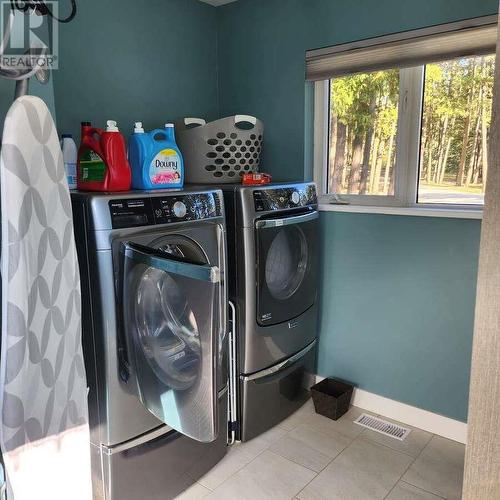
x=130, y=60
x=397, y=299
x=397, y=293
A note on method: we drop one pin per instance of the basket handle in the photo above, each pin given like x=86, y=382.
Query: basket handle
x=194, y=121
x=245, y=119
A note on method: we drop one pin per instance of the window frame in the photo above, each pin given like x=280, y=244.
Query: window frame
x=407, y=165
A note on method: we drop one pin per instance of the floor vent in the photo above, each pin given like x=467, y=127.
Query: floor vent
x=382, y=426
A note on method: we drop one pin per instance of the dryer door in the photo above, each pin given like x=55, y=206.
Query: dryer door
x=171, y=322
x=286, y=267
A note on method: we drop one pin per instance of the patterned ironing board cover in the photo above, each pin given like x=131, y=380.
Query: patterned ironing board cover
x=44, y=433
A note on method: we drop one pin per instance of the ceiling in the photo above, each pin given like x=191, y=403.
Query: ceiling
x=216, y=3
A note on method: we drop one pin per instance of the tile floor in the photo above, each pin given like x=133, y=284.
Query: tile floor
x=312, y=457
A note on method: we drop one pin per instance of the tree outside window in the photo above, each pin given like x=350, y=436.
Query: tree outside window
x=456, y=97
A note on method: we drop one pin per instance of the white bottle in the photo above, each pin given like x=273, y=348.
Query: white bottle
x=70, y=153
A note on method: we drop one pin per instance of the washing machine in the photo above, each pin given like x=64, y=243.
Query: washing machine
x=273, y=239
x=155, y=338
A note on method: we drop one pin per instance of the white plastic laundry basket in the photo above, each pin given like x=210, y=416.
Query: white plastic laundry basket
x=220, y=151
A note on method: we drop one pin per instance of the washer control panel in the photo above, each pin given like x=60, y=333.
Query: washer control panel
x=285, y=198
x=150, y=210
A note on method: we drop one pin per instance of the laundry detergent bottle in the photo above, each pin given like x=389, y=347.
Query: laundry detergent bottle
x=155, y=159
x=70, y=158
x=102, y=159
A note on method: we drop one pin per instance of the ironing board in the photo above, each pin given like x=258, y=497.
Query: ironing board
x=44, y=432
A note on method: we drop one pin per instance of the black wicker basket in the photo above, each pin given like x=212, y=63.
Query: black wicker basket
x=331, y=397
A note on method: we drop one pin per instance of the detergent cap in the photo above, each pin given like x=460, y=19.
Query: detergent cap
x=169, y=125
x=138, y=128
x=111, y=126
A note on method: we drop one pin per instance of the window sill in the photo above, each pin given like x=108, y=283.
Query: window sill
x=452, y=213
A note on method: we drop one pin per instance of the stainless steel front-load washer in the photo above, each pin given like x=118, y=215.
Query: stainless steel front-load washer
x=154, y=335
x=273, y=289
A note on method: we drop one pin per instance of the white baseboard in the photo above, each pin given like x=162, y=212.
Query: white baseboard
x=410, y=415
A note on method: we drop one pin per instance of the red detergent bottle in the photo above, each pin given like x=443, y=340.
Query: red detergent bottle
x=102, y=160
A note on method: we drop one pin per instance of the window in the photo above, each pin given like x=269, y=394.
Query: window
x=362, y=138
x=406, y=136
x=455, y=129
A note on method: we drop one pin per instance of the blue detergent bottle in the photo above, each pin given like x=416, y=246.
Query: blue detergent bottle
x=155, y=159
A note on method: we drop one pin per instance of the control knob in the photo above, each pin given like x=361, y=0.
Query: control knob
x=179, y=209
x=295, y=198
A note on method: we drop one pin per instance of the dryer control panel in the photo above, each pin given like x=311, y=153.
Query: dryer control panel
x=150, y=210
x=285, y=198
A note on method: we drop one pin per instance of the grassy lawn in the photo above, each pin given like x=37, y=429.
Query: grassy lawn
x=474, y=189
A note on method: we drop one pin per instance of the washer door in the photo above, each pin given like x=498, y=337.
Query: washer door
x=171, y=321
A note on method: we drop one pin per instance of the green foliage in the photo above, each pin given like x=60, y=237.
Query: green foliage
x=458, y=91
x=456, y=118
x=360, y=100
